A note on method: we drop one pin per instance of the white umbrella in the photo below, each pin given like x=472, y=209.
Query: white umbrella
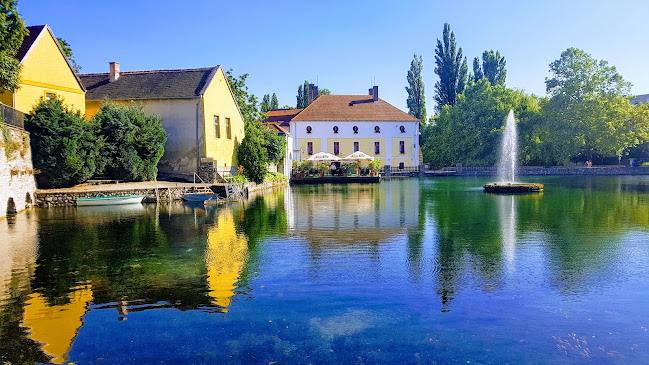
x=323, y=156
x=359, y=156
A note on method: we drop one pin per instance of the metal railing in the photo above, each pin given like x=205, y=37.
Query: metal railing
x=400, y=170
x=11, y=116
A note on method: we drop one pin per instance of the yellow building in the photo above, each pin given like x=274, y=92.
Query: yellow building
x=198, y=110
x=46, y=73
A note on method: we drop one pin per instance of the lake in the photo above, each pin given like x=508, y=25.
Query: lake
x=405, y=271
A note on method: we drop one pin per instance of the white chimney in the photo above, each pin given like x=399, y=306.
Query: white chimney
x=114, y=71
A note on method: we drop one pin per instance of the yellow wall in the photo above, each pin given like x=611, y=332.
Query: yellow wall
x=406, y=161
x=395, y=147
x=92, y=107
x=219, y=101
x=366, y=145
x=317, y=147
x=7, y=98
x=44, y=69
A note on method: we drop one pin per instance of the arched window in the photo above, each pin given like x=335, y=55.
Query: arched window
x=377, y=129
x=355, y=129
x=308, y=129
x=336, y=129
x=402, y=129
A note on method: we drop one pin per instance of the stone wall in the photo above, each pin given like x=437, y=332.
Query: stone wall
x=17, y=183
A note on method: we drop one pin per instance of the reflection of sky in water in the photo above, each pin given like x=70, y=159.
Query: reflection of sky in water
x=405, y=271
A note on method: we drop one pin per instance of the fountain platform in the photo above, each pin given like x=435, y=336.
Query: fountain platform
x=513, y=188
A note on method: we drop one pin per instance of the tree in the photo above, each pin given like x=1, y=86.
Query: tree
x=247, y=102
x=67, y=50
x=305, y=94
x=133, y=142
x=265, y=103
x=300, y=97
x=274, y=103
x=493, y=68
x=12, y=33
x=416, y=97
x=260, y=147
x=65, y=146
x=450, y=68
x=324, y=92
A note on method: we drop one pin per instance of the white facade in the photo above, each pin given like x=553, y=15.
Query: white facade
x=398, y=141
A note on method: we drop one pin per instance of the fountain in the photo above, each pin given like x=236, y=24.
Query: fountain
x=507, y=164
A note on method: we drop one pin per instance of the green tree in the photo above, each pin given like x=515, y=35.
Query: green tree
x=65, y=146
x=67, y=50
x=274, y=103
x=493, y=68
x=324, y=92
x=416, y=96
x=12, y=33
x=265, y=103
x=133, y=142
x=451, y=69
x=300, y=97
x=305, y=94
x=260, y=147
x=247, y=102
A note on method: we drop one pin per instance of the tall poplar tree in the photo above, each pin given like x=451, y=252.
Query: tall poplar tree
x=493, y=68
x=265, y=103
x=451, y=69
x=300, y=97
x=12, y=33
x=274, y=103
x=416, y=98
x=305, y=90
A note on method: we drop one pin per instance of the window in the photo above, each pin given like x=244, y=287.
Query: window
x=228, y=128
x=402, y=147
x=309, y=148
x=355, y=129
x=402, y=129
x=377, y=148
x=336, y=129
x=377, y=129
x=217, y=127
x=402, y=165
x=50, y=95
x=336, y=148
x=308, y=129
x=356, y=146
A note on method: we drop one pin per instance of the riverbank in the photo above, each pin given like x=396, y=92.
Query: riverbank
x=540, y=171
x=152, y=191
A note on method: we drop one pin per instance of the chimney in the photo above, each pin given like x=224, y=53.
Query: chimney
x=313, y=93
x=374, y=91
x=114, y=71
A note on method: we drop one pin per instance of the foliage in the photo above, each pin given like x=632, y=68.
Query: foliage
x=416, y=96
x=12, y=33
x=304, y=166
x=493, y=68
x=323, y=167
x=133, y=142
x=10, y=144
x=324, y=92
x=247, y=102
x=65, y=146
x=260, y=147
x=300, y=97
x=67, y=50
x=346, y=167
x=274, y=103
x=376, y=165
x=450, y=68
x=237, y=179
x=274, y=177
x=265, y=104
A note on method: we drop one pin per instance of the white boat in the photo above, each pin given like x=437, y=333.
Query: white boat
x=110, y=200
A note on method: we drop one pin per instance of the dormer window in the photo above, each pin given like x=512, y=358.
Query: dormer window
x=355, y=129
x=377, y=129
x=402, y=129
x=308, y=129
x=336, y=129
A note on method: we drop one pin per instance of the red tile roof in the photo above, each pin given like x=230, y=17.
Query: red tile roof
x=282, y=115
x=351, y=108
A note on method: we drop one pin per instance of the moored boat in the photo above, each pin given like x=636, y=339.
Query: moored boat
x=200, y=197
x=110, y=200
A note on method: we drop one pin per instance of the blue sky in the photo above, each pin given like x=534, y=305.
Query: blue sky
x=343, y=45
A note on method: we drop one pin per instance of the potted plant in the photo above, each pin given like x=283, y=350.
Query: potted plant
x=294, y=169
x=355, y=166
x=375, y=167
x=303, y=168
x=346, y=167
x=322, y=168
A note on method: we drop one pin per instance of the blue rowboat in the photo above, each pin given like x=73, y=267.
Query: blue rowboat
x=110, y=200
x=200, y=197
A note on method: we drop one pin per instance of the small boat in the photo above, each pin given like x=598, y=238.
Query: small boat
x=200, y=197
x=110, y=200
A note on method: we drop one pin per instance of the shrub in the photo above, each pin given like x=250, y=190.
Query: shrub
x=237, y=179
x=133, y=142
x=375, y=165
x=274, y=177
x=65, y=146
x=305, y=166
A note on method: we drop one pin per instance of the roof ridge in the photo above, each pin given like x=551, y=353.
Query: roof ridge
x=153, y=71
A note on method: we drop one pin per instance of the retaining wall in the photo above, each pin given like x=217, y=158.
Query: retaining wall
x=17, y=183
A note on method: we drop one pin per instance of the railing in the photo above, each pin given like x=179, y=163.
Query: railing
x=400, y=170
x=11, y=116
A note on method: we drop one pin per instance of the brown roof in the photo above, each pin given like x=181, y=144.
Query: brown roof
x=352, y=107
x=157, y=84
x=281, y=115
x=275, y=126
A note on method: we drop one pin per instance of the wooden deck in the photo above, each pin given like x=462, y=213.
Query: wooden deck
x=336, y=180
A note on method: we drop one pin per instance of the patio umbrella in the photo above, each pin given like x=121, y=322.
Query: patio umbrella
x=323, y=156
x=359, y=156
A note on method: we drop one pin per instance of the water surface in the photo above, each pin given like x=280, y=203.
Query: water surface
x=406, y=271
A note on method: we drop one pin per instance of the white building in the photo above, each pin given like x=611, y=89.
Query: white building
x=343, y=124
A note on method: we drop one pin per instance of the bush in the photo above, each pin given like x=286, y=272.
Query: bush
x=133, y=142
x=375, y=166
x=260, y=147
x=65, y=146
x=237, y=179
x=274, y=177
x=305, y=166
